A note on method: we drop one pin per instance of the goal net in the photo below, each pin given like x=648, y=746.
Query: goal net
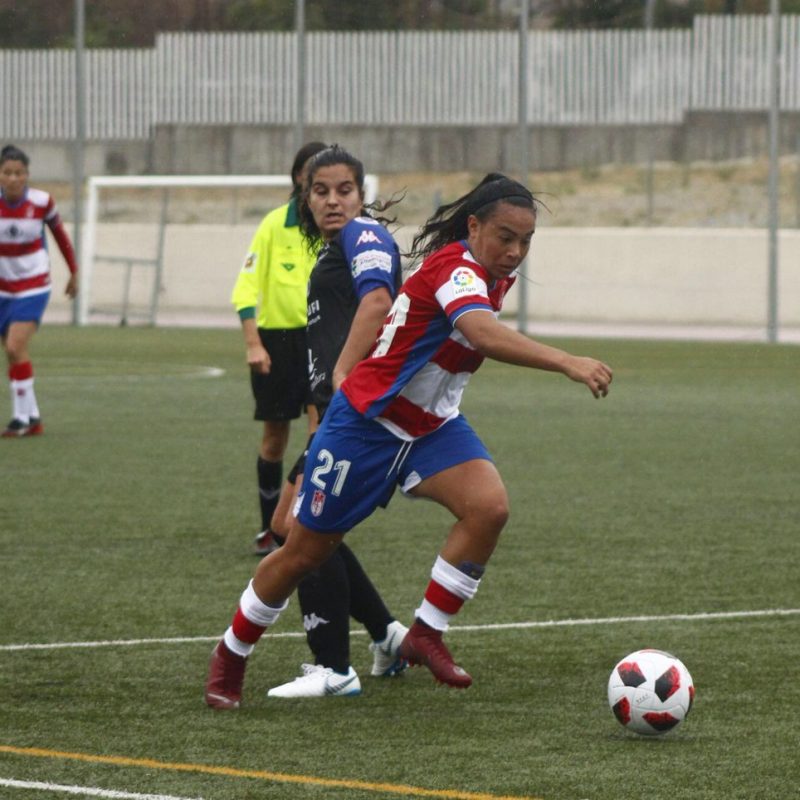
x=166, y=249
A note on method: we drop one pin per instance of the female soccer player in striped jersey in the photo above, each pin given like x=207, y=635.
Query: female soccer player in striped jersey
x=25, y=280
x=396, y=418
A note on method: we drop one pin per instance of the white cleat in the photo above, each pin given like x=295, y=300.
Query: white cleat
x=319, y=681
x=386, y=658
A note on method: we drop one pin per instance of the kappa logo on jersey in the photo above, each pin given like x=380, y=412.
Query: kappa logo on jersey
x=368, y=237
x=250, y=262
x=464, y=281
x=317, y=502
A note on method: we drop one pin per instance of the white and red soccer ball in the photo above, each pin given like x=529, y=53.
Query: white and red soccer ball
x=650, y=692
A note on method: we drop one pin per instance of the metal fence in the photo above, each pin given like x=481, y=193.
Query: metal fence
x=402, y=78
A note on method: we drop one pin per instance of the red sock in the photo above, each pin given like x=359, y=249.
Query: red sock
x=20, y=372
x=245, y=630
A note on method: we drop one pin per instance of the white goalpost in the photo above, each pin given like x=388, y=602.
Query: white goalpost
x=203, y=258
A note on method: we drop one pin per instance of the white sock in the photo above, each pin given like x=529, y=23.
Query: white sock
x=21, y=392
x=448, y=589
x=256, y=612
x=33, y=406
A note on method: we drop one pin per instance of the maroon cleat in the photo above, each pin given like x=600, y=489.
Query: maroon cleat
x=35, y=427
x=424, y=645
x=225, y=678
x=264, y=543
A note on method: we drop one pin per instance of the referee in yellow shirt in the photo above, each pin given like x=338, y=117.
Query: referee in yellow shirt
x=270, y=298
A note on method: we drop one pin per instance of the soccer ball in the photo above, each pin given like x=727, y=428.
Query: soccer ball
x=650, y=692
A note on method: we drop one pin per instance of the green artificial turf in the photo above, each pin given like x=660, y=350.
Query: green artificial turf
x=674, y=498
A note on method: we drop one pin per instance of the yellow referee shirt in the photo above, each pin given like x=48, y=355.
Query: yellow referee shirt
x=274, y=276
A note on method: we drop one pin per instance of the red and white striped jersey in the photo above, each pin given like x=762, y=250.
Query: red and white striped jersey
x=414, y=377
x=24, y=262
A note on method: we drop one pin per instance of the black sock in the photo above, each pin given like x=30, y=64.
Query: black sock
x=270, y=476
x=324, y=597
x=366, y=604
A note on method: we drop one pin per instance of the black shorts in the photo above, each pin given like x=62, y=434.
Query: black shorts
x=299, y=465
x=283, y=393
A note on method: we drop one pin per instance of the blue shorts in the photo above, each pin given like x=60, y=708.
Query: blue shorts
x=22, y=309
x=354, y=464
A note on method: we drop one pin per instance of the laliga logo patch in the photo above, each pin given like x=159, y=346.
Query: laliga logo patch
x=367, y=237
x=249, y=262
x=464, y=281
x=463, y=277
x=317, y=502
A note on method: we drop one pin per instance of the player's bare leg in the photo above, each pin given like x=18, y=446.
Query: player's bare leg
x=262, y=602
x=25, y=410
x=278, y=574
x=476, y=496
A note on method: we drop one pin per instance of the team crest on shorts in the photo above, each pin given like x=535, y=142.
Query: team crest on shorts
x=317, y=502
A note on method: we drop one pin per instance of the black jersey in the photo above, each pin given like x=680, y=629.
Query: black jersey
x=362, y=257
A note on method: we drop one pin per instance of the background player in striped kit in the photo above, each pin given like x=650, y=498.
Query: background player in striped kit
x=25, y=280
x=352, y=286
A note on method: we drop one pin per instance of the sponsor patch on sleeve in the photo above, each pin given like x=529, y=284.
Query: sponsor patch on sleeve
x=370, y=260
x=465, y=281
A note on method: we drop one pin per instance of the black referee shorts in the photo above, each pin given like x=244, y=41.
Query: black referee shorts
x=283, y=393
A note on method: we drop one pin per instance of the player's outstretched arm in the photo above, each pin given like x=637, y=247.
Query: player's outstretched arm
x=494, y=340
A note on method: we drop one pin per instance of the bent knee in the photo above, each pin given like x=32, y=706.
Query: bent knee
x=498, y=514
x=491, y=514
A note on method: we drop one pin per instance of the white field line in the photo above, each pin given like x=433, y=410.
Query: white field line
x=87, y=791
x=199, y=371
x=553, y=623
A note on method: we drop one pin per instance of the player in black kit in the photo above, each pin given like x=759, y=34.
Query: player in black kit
x=351, y=289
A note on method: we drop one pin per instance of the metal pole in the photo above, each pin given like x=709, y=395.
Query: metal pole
x=797, y=183
x=649, y=18
x=649, y=13
x=774, y=126
x=522, y=167
x=78, y=156
x=300, y=108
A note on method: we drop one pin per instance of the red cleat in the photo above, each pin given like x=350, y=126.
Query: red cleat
x=225, y=678
x=35, y=427
x=264, y=543
x=424, y=645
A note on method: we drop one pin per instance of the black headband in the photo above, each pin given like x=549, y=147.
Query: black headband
x=500, y=189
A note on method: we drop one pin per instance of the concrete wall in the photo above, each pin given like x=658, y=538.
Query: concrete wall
x=616, y=276
x=242, y=150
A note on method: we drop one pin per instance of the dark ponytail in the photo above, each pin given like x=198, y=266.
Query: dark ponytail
x=449, y=222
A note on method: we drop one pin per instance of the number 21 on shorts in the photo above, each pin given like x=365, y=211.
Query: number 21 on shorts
x=320, y=476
